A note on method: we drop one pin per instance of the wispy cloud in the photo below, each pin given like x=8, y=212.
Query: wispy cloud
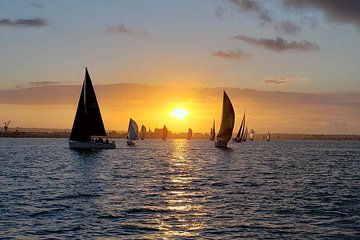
x=276, y=81
x=36, y=5
x=278, y=44
x=43, y=83
x=121, y=29
x=23, y=22
x=334, y=10
x=232, y=54
x=287, y=27
x=253, y=7
x=284, y=80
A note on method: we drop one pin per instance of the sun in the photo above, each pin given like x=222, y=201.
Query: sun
x=179, y=113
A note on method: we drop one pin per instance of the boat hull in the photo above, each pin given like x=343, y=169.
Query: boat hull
x=91, y=145
x=220, y=144
x=130, y=143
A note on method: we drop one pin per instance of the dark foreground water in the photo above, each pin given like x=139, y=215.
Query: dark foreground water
x=180, y=189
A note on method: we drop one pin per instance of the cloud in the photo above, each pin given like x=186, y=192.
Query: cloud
x=121, y=29
x=334, y=10
x=36, y=5
x=23, y=22
x=43, y=83
x=276, y=81
x=253, y=7
x=278, y=44
x=232, y=54
x=284, y=80
x=287, y=27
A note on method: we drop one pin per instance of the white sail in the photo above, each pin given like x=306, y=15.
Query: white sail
x=132, y=130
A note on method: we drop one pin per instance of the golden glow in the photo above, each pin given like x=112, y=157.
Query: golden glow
x=179, y=113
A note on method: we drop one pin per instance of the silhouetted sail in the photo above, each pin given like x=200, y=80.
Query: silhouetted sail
x=88, y=121
x=240, y=135
x=246, y=133
x=143, y=132
x=132, y=130
x=212, y=132
x=268, y=137
x=227, y=122
x=190, y=133
x=165, y=133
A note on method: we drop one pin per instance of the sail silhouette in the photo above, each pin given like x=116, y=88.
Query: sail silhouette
x=227, y=123
x=132, y=132
x=88, y=121
x=165, y=133
x=212, y=132
x=190, y=133
x=241, y=133
x=143, y=132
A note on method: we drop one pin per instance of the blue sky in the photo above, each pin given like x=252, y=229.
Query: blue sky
x=277, y=45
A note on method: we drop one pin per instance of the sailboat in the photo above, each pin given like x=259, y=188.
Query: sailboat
x=241, y=133
x=190, y=133
x=143, y=132
x=245, y=134
x=88, y=122
x=227, y=123
x=268, y=137
x=252, y=134
x=212, y=132
x=165, y=133
x=132, y=132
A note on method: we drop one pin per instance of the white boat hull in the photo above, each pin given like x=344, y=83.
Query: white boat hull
x=220, y=144
x=91, y=145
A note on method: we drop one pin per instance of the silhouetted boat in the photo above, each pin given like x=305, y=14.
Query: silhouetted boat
x=212, y=132
x=88, y=122
x=190, y=133
x=165, y=133
x=252, y=134
x=132, y=132
x=268, y=137
x=143, y=132
x=227, y=123
x=240, y=137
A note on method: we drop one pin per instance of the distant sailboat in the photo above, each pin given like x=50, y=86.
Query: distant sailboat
x=143, y=132
x=241, y=133
x=212, y=132
x=268, y=137
x=227, y=123
x=190, y=133
x=252, y=134
x=132, y=132
x=88, y=122
x=165, y=133
x=245, y=134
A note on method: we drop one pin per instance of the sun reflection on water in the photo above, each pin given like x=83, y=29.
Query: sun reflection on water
x=182, y=198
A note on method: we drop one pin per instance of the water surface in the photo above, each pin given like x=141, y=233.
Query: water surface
x=180, y=189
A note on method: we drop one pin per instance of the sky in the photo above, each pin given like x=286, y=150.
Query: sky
x=276, y=48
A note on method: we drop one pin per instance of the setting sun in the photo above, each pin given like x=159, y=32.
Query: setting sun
x=179, y=113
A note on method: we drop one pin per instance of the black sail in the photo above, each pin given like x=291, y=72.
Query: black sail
x=88, y=121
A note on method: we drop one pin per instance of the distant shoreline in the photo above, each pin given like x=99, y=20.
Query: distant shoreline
x=152, y=135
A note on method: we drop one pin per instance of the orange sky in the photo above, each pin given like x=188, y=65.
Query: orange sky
x=151, y=106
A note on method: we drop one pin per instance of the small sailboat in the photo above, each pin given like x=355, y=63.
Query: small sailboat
x=241, y=133
x=88, y=122
x=190, y=133
x=165, y=133
x=212, y=132
x=268, y=137
x=143, y=132
x=132, y=132
x=227, y=123
x=252, y=134
x=245, y=134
